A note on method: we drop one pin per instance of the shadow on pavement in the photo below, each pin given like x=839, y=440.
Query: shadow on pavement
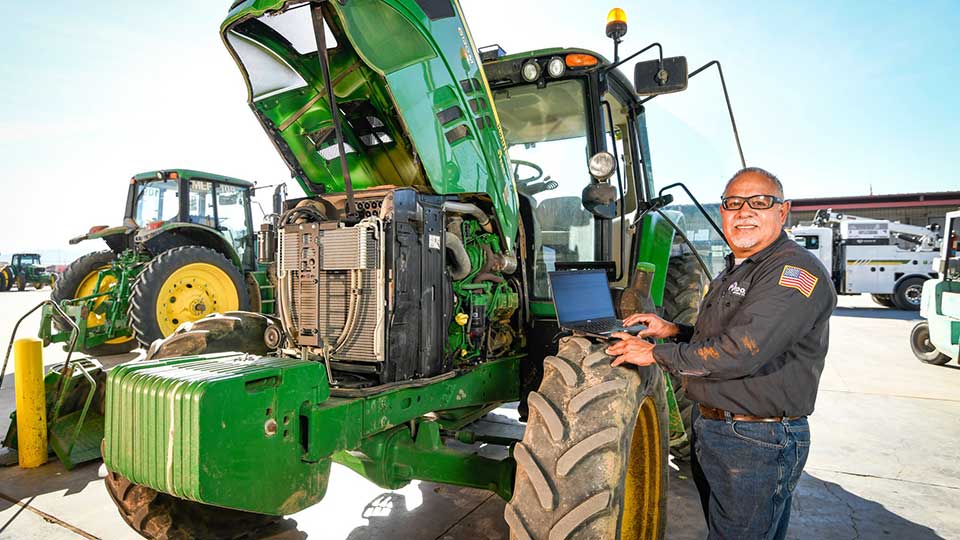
x=877, y=313
x=441, y=515
x=21, y=484
x=825, y=510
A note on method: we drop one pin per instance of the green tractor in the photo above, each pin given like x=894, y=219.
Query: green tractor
x=412, y=285
x=937, y=339
x=186, y=249
x=25, y=269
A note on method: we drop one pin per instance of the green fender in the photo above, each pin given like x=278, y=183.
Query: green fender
x=204, y=235
x=97, y=232
x=656, y=239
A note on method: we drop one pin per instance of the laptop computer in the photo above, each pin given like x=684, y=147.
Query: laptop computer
x=584, y=305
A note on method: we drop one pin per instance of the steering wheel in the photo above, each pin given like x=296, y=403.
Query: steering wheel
x=537, y=174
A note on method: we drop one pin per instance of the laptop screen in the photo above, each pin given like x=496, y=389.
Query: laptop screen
x=580, y=295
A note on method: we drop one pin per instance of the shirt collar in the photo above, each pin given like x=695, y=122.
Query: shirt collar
x=760, y=255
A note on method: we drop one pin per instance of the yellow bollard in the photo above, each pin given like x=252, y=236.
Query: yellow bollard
x=31, y=403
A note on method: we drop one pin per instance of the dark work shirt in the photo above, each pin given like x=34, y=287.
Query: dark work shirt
x=761, y=337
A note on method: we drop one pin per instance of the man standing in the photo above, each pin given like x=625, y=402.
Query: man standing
x=752, y=362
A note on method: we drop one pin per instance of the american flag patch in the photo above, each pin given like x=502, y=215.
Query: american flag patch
x=799, y=279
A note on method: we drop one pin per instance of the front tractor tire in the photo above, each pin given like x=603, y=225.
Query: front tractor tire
x=593, y=461
x=79, y=280
x=160, y=516
x=181, y=285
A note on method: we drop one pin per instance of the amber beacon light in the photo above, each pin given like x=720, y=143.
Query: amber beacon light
x=616, y=23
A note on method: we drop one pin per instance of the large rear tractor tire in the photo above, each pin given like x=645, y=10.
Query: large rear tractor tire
x=593, y=461
x=181, y=285
x=160, y=516
x=922, y=348
x=683, y=290
x=907, y=295
x=80, y=279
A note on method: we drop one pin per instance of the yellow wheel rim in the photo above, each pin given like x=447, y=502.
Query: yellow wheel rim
x=643, y=489
x=193, y=292
x=87, y=287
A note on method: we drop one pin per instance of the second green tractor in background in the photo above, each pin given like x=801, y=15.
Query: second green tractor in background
x=25, y=269
x=185, y=249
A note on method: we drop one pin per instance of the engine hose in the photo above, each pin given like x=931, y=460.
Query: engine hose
x=487, y=276
x=342, y=338
x=379, y=389
x=491, y=263
x=471, y=209
x=286, y=308
x=352, y=318
x=461, y=266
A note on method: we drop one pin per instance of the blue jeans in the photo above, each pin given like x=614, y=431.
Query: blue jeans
x=746, y=472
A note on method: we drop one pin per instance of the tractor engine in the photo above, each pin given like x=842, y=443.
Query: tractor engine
x=417, y=287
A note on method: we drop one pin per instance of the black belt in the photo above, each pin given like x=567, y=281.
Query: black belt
x=713, y=413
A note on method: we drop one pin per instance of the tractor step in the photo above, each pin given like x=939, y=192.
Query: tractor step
x=86, y=447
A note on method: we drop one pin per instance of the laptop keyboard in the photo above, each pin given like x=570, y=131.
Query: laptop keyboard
x=598, y=326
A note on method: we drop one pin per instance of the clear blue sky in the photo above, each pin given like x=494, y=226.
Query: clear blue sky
x=836, y=98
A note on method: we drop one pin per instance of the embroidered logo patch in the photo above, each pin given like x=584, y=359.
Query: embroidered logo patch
x=797, y=278
x=736, y=290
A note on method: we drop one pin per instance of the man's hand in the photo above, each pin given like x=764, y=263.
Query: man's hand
x=657, y=328
x=631, y=350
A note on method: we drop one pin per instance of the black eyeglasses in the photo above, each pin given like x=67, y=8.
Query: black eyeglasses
x=757, y=202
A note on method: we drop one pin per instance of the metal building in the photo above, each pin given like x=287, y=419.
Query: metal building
x=921, y=209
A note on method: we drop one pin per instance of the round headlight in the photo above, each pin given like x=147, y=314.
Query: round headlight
x=556, y=67
x=602, y=165
x=530, y=71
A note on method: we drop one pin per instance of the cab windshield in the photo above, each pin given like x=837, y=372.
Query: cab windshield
x=546, y=133
x=158, y=200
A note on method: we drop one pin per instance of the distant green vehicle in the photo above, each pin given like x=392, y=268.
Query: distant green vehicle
x=25, y=269
x=186, y=249
x=937, y=339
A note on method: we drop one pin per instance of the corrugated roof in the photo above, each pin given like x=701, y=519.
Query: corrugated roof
x=928, y=198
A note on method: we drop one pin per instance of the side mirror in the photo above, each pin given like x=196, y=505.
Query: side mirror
x=651, y=79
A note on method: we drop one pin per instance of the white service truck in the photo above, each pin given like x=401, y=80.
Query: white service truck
x=888, y=259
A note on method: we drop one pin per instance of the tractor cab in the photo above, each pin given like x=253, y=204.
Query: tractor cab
x=179, y=207
x=24, y=269
x=181, y=229
x=24, y=261
x=212, y=208
x=559, y=108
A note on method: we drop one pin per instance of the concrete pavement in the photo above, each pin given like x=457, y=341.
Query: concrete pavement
x=882, y=463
